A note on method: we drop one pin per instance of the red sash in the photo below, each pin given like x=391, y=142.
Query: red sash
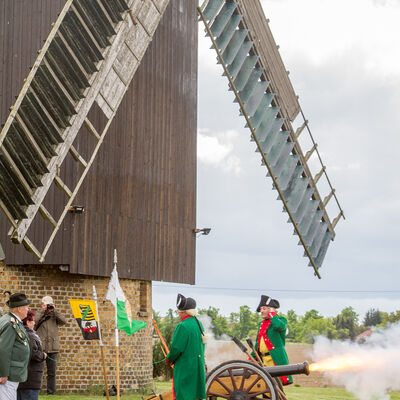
x=262, y=334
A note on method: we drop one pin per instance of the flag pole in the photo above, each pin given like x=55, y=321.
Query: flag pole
x=101, y=343
x=116, y=333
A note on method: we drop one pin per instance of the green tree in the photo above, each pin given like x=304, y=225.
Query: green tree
x=312, y=314
x=391, y=318
x=243, y=323
x=293, y=325
x=317, y=325
x=166, y=326
x=372, y=318
x=347, y=319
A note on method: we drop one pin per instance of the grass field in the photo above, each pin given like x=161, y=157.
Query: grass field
x=293, y=393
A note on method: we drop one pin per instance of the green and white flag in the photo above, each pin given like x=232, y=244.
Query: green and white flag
x=123, y=308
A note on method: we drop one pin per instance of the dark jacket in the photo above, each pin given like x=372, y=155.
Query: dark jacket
x=36, y=362
x=46, y=326
x=14, y=349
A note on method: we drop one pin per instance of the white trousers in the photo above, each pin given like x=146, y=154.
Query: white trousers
x=8, y=390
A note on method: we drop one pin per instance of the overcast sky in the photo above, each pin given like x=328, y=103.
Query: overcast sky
x=344, y=63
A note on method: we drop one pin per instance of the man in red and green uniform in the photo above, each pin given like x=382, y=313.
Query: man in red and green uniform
x=270, y=343
x=187, y=353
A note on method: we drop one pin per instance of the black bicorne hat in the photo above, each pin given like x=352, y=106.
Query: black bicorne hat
x=185, y=303
x=267, y=302
x=17, y=300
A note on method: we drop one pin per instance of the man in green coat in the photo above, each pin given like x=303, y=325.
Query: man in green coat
x=271, y=336
x=187, y=353
x=14, y=347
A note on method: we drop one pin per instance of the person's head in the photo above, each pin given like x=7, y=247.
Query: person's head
x=18, y=304
x=185, y=306
x=29, y=320
x=47, y=303
x=267, y=305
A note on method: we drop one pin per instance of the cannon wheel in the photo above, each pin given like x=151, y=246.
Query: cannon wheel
x=240, y=380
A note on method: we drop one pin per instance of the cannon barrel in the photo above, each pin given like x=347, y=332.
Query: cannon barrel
x=290, y=369
x=276, y=370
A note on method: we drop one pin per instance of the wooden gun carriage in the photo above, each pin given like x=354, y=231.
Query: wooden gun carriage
x=242, y=380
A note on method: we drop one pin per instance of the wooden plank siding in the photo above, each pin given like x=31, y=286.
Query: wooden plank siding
x=140, y=194
x=269, y=54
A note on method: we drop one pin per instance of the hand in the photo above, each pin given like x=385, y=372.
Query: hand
x=45, y=355
x=50, y=308
x=271, y=314
x=3, y=380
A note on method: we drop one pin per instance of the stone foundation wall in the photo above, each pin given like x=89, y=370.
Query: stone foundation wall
x=79, y=367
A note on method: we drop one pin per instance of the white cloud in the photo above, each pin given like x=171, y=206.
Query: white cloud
x=217, y=150
x=350, y=166
x=325, y=30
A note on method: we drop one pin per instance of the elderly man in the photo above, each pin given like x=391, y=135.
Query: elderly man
x=271, y=336
x=187, y=353
x=14, y=347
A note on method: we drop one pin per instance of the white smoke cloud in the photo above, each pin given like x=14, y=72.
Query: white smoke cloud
x=375, y=363
x=221, y=350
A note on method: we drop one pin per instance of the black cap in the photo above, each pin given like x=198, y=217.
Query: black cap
x=267, y=302
x=183, y=303
x=17, y=300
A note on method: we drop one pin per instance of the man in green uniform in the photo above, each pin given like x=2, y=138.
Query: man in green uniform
x=271, y=336
x=14, y=347
x=187, y=353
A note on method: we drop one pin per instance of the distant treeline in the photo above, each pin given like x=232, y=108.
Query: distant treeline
x=301, y=329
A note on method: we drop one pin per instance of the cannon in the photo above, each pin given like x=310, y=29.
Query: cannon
x=242, y=380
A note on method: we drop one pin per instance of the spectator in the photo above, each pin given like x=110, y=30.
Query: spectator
x=14, y=347
x=47, y=321
x=29, y=390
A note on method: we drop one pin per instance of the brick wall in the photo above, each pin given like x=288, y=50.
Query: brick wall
x=80, y=362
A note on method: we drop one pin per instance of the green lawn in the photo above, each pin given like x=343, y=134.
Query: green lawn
x=304, y=393
x=293, y=393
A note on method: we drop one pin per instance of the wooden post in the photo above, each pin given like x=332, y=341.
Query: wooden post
x=164, y=346
x=281, y=394
x=104, y=371
x=251, y=345
x=101, y=344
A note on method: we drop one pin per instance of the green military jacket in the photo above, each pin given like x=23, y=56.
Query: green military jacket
x=14, y=349
x=276, y=333
x=187, y=355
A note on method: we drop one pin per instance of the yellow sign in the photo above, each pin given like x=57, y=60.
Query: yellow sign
x=85, y=314
x=84, y=309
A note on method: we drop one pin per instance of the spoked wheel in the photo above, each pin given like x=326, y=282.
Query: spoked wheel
x=240, y=380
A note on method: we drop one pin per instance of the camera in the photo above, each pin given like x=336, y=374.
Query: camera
x=50, y=307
